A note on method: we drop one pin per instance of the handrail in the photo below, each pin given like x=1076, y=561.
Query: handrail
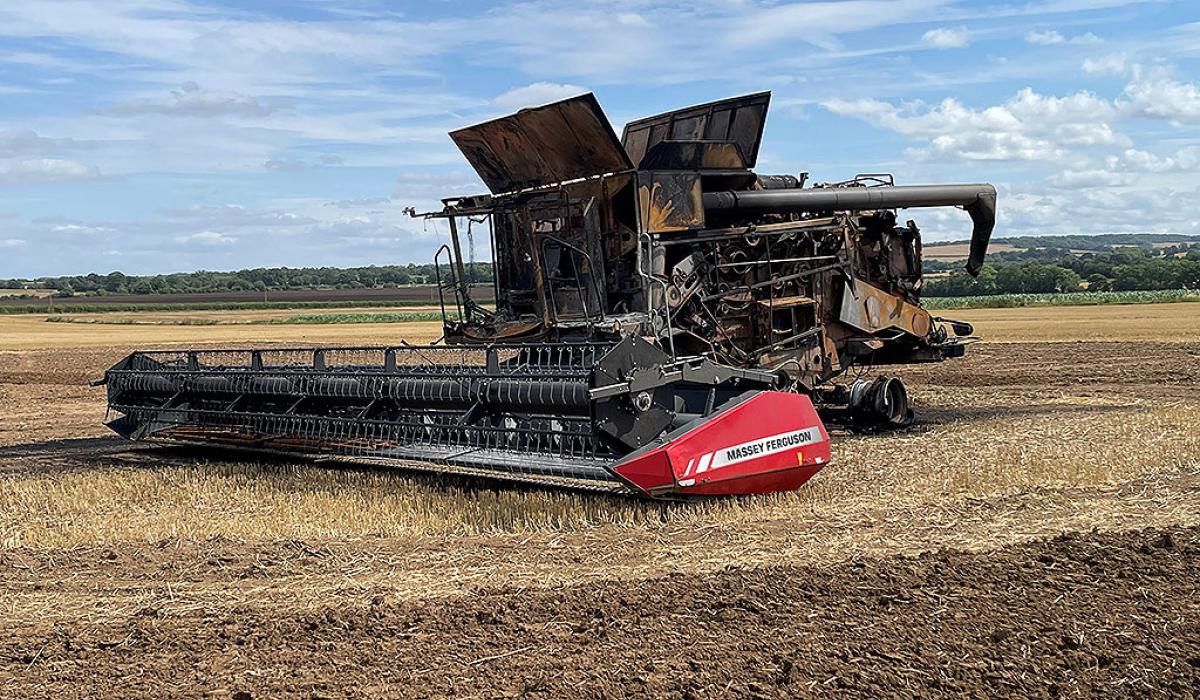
x=437, y=270
x=665, y=287
x=578, y=281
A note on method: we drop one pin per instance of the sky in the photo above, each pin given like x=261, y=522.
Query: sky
x=153, y=136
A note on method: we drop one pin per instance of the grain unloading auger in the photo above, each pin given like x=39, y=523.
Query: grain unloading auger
x=667, y=322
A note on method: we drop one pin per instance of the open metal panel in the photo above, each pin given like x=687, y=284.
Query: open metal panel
x=737, y=120
x=561, y=141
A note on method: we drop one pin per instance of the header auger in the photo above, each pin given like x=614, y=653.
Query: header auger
x=667, y=321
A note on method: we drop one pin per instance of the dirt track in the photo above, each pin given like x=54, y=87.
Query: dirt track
x=151, y=573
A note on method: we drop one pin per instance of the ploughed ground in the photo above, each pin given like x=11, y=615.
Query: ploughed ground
x=1037, y=533
x=1112, y=614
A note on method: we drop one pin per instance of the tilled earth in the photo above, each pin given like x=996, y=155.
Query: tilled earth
x=1112, y=614
x=957, y=558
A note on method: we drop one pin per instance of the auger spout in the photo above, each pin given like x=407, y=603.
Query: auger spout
x=979, y=201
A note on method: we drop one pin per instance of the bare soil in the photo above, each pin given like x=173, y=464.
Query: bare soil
x=1112, y=614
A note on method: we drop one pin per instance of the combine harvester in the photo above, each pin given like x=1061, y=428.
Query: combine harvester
x=668, y=322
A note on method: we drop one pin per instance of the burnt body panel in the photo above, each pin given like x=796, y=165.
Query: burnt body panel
x=737, y=120
x=544, y=145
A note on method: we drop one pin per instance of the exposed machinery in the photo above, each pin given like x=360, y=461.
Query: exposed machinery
x=667, y=321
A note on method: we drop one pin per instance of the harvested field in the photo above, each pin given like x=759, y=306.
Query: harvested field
x=931, y=561
x=26, y=293
x=43, y=364
x=292, y=319
x=33, y=333
x=225, y=317
x=1170, y=323
x=954, y=252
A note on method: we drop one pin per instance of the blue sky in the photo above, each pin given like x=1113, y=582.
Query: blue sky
x=168, y=135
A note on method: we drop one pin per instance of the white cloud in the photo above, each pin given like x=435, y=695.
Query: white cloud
x=1134, y=160
x=947, y=38
x=1072, y=179
x=359, y=202
x=1095, y=206
x=209, y=238
x=191, y=101
x=376, y=241
x=1113, y=64
x=26, y=142
x=536, y=94
x=1029, y=126
x=285, y=165
x=1154, y=93
x=430, y=186
x=11, y=243
x=1053, y=37
x=43, y=170
x=1045, y=38
x=632, y=19
x=232, y=215
x=818, y=23
x=242, y=47
x=81, y=229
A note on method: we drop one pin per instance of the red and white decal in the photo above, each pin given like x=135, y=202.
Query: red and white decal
x=762, y=447
x=773, y=441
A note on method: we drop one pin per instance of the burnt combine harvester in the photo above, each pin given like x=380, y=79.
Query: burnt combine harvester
x=667, y=321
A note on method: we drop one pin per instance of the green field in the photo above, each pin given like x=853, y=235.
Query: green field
x=66, y=307
x=1005, y=301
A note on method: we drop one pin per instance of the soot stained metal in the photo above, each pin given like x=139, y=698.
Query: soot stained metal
x=668, y=322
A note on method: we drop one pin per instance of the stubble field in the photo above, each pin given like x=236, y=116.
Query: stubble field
x=1036, y=532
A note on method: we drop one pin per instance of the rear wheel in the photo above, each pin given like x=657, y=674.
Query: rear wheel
x=891, y=402
x=882, y=403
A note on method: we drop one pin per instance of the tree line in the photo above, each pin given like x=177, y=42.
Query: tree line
x=258, y=279
x=1093, y=242
x=1033, y=270
x=1058, y=270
